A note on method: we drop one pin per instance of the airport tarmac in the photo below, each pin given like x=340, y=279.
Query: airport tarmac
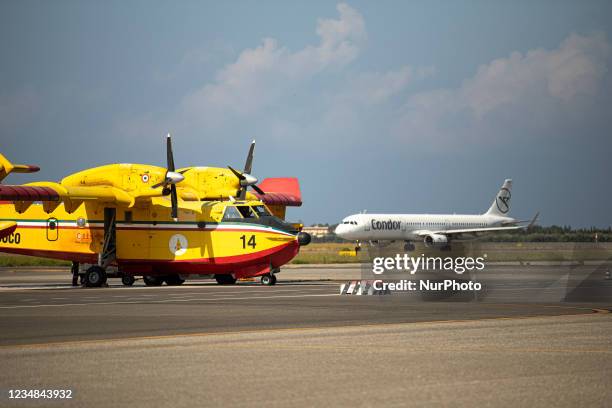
x=536, y=339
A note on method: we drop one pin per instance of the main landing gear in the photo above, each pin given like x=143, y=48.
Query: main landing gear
x=171, y=280
x=95, y=276
x=225, y=279
x=409, y=246
x=268, y=279
x=128, y=280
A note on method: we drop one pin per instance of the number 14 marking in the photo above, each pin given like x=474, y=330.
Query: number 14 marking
x=251, y=241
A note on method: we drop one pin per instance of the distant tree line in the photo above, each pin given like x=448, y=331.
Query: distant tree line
x=553, y=233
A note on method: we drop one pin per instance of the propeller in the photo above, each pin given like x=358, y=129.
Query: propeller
x=246, y=179
x=171, y=179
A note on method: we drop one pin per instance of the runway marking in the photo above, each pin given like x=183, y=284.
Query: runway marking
x=393, y=349
x=261, y=291
x=186, y=286
x=165, y=301
x=589, y=312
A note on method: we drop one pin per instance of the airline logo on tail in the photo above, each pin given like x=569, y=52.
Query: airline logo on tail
x=503, y=200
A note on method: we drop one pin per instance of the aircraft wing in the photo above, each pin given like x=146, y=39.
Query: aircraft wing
x=50, y=193
x=470, y=230
x=28, y=193
x=477, y=231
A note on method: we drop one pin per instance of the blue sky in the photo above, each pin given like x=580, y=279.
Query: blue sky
x=384, y=106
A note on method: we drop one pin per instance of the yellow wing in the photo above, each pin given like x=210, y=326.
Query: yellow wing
x=117, y=184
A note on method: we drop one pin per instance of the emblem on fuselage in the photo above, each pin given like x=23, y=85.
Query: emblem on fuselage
x=81, y=222
x=178, y=244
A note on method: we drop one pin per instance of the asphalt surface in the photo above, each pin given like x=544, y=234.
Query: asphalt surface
x=537, y=336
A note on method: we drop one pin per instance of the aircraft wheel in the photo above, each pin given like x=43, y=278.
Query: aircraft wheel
x=174, y=280
x=95, y=276
x=268, y=280
x=225, y=279
x=152, y=280
x=409, y=247
x=128, y=280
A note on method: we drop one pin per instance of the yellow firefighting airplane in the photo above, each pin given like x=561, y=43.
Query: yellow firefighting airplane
x=159, y=223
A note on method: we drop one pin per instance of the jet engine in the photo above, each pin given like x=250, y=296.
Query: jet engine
x=435, y=240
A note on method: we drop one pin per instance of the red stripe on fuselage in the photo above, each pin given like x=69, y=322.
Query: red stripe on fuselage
x=61, y=255
x=276, y=257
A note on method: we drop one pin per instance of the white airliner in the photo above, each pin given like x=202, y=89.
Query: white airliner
x=436, y=230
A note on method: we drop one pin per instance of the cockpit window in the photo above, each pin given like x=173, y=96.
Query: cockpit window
x=246, y=211
x=231, y=212
x=261, y=210
x=350, y=222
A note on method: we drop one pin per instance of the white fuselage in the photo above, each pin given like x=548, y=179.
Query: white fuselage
x=380, y=227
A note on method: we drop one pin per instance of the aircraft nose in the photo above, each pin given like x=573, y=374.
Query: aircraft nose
x=340, y=230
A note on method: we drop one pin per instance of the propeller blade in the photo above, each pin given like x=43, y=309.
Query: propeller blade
x=174, y=202
x=236, y=173
x=248, y=165
x=169, y=155
x=259, y=190
x=241, y=193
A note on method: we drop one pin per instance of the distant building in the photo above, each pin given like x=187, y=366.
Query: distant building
x=317, y=231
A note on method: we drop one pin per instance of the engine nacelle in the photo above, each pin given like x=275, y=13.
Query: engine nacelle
x=435, y=240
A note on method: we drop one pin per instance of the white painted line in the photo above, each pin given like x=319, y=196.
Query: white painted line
x=166, y=301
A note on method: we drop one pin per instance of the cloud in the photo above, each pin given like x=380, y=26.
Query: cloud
x=368, y=98
x=262, y=75
x=314, y=98
x=538, y=92
x=373, y=88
